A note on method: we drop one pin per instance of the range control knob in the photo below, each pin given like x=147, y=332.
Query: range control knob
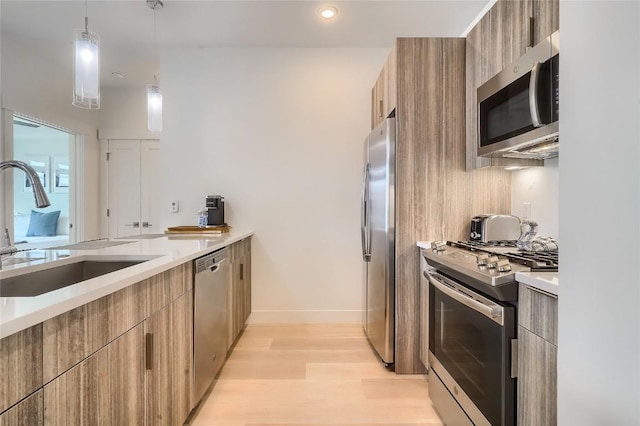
x=503, y=265
x=439, y=245
x=481, y=259
x=492, y=262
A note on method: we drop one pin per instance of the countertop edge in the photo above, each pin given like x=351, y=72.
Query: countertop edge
x=118, y=280
x=545, y=281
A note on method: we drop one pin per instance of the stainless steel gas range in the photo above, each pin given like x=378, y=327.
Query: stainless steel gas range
x=473, y=298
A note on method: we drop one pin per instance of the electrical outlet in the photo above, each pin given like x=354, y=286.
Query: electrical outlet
x=526, y=211
x=175, y=207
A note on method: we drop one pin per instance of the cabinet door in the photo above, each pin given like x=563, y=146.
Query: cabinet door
x=106, y=388
x=546, y=15
x=377, y=105
x=537, y=378
x=169, y=340
x=246, y=281
x=28, y=412
x=20, y=365
x=514, y=23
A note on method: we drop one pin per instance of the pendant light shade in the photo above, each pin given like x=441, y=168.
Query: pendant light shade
x=86, y=69
x=154, y=108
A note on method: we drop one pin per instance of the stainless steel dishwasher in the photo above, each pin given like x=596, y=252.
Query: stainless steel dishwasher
x=212, y=276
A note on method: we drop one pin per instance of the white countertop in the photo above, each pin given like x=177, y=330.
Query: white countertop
x=545, y=281
x=19, y=313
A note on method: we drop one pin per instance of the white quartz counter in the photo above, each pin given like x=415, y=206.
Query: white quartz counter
x=19, y=313
x=545, y=281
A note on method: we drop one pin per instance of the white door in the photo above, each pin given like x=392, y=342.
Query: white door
x=149, y=187
x=132, y=176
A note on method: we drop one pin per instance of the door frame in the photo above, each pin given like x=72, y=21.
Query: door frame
x=76, y=157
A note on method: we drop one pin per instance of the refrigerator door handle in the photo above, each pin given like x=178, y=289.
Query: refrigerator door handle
x=364, y=214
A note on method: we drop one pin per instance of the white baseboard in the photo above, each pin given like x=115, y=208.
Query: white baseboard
x=305, y=317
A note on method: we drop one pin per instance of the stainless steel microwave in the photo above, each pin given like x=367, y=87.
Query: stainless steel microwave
x=518, y=108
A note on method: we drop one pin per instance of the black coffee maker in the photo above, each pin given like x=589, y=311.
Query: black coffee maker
x=215, y=210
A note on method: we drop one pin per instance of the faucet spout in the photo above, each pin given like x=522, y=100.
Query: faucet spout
x=39, y=193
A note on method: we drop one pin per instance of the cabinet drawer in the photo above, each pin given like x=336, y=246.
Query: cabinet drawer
x=538, y=312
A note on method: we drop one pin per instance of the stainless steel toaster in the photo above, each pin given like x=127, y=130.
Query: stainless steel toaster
x=494, y=227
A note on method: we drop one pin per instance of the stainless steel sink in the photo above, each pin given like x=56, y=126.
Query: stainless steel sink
x=43, y=281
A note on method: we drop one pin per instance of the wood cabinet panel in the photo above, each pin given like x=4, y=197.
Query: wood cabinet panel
x=29, y=412
x=73, y=336
x=546, y=15
x=80, y=396
x=169, y=380
x=538, y=312
x=537, y=380
x=20, y=365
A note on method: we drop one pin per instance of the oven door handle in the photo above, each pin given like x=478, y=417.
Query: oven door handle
x=493, y=312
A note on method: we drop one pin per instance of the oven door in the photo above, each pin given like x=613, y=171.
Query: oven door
x=470, y=341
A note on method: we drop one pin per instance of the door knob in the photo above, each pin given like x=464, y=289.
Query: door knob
x=146, y=225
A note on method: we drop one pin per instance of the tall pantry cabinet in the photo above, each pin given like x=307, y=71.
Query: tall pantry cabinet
x=422, y=84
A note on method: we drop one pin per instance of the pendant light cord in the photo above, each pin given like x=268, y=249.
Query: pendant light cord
x=86, y=17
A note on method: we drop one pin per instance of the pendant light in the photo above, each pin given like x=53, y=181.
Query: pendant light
x=154, y=94
x=86, y=67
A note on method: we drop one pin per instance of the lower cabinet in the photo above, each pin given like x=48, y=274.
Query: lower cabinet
x=106, y=388
x=125, y=359
x=168, y=337
x=537, y=357
x=28, y=412
x=239, y=295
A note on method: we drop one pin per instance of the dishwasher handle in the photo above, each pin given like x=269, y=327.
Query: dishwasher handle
x=216, y=266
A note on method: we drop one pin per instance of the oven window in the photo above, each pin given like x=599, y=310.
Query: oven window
x=475, y=351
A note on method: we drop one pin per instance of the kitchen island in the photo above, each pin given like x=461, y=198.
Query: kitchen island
x=117, y=346
x=158, y=255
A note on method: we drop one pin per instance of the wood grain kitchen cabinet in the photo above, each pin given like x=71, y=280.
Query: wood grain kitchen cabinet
x=28, y=412
x=383, y=94
x=434, y=195
x=537, y=357
x=106, y=388
x=168, y=344
x=503, y=34
x=74, y=335
x=239, y=294
x=20, y=365
x=125, y=358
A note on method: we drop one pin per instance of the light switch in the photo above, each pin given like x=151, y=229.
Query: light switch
x=175, y=207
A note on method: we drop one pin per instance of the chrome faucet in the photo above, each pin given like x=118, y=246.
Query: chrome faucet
x=39, y=195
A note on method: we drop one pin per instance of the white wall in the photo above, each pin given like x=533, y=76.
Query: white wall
x=599, y=295
x=539, y=187
x=34, y=86
x=278, y=133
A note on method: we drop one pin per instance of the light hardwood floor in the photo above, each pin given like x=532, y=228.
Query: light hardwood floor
x=299, y=375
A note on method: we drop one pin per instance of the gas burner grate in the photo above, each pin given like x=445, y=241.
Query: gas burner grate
x=483, y=244
x=537, y=261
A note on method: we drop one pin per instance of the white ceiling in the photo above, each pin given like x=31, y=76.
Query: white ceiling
x=126, y=27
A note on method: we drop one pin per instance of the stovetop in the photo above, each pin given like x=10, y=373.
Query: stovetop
x=488, y=267
x=541, y=261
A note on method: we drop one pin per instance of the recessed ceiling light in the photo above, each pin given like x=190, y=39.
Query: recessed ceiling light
x=117, y=74
x=328, y=12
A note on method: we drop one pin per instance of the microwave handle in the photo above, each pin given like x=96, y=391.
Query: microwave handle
x=533, y=95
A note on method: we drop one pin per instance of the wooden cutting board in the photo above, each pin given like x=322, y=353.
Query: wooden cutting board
x=217, y=229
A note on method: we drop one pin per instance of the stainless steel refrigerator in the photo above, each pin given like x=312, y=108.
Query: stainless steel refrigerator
x=378, y=238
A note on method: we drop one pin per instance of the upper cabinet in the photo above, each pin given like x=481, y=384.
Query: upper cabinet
x=502, y=36
x=383, y=94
